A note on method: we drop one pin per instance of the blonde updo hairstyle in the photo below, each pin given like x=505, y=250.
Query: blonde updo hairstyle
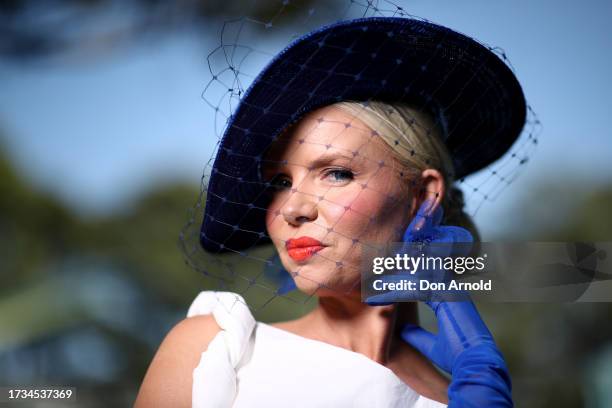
x=416, y=142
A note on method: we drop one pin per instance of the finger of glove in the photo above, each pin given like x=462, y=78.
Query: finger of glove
x=436, y=216
x=444, y=241
x=420, y=223
x=420, y=339
x=451, y=233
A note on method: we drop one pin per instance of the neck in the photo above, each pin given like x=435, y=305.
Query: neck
x=356, y=326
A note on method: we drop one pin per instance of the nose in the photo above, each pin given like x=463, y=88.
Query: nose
x=299, y=208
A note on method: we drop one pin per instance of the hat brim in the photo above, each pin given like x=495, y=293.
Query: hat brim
x=470, y=91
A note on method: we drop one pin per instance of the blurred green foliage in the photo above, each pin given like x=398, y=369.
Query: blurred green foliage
x=34, y=229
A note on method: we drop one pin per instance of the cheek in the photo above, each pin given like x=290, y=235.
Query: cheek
x=369, y=202
x=354, y=210
x=368, y=213
x=346, y=208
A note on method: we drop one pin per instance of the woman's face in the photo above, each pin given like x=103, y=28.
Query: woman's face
x=335, y=183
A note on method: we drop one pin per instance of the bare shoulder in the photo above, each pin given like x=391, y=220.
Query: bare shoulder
x=168, y=380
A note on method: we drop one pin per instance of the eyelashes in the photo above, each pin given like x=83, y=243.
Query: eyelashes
x=336, y=176
x=280, y=182
x=340, y=175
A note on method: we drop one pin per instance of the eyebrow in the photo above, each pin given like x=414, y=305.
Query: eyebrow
x=320, y=161
x=330, y=157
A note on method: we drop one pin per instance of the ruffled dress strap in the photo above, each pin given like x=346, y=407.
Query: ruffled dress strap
x=214, y=379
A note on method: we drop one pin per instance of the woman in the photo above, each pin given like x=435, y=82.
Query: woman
x=305, y=167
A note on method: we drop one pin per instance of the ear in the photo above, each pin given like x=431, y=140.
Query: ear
x=431, y=186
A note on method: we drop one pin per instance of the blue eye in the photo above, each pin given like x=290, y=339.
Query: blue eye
x=340, y=175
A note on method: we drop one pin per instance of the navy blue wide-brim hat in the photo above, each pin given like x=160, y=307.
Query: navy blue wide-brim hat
x=470, y=91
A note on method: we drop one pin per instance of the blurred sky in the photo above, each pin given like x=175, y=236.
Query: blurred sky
x=98, y=132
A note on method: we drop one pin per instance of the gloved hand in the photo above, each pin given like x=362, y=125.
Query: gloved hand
x=463, y=346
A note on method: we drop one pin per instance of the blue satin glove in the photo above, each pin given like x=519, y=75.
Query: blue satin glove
x=463, y=346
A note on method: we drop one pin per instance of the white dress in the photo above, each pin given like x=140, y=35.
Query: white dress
x=253, y=364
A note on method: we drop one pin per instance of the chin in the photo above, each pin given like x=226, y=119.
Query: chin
x=323, y=285
x=308, y=288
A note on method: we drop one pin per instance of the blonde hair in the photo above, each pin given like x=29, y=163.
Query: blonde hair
x=417, y=144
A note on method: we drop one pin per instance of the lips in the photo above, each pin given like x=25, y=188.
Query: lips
x=303, y=248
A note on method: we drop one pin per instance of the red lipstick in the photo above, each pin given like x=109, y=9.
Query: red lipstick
x=303, y=247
